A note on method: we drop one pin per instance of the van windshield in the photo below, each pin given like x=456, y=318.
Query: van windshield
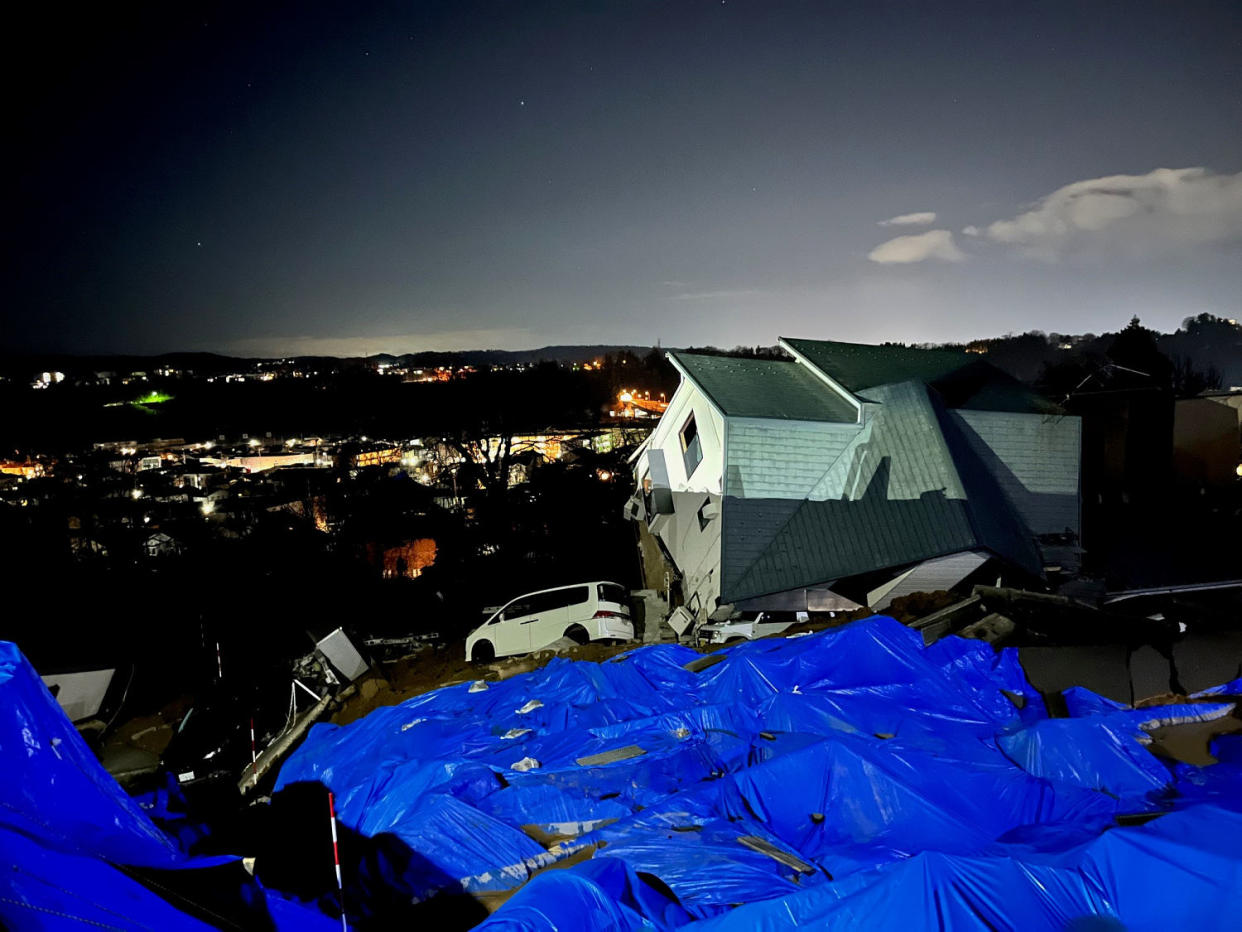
x=610, y=592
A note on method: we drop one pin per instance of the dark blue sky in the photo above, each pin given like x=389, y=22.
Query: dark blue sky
x=352, y=178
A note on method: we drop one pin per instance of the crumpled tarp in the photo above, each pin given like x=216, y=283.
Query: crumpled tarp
x=853, y=777
x=73, y=845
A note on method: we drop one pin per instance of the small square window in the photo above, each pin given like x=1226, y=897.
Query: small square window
x=691, y=447
x=704, y=518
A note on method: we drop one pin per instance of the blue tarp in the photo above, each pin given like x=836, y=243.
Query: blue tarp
x=853, y=777
x=73, y=844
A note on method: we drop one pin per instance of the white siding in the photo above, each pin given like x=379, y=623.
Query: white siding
x=709, y=475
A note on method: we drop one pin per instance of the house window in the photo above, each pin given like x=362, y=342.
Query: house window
x=691, y=447
x=704, y=518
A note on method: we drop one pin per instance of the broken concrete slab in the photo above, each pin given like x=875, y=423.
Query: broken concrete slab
x=1151, y=673
x=993, y=628
x=1101, y=669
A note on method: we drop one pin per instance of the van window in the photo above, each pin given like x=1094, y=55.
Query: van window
x=520, y=607
x=545, y=602
x=608, y=592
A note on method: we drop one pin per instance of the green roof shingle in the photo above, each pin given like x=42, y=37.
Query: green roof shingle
x=913, y=490
x=963, y=380
x=770, y=388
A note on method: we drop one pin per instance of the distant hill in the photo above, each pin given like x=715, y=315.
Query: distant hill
x=23, y=366
x=492, y=357
x=1209, y=344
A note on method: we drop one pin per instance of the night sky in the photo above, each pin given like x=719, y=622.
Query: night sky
x=267, y=178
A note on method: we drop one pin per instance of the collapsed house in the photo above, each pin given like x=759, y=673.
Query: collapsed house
x=851, y=475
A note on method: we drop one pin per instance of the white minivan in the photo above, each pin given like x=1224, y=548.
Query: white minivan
x=593, y=611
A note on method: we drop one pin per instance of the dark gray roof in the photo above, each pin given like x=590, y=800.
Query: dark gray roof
x=770, y=388
x=923, y=494
x=964, y=380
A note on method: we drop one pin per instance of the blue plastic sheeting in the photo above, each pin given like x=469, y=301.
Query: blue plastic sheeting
x=167, y=807
x=1102, y=751
x=1182, y=871
x=600, y=894
x=854, y=776
x=68, y=832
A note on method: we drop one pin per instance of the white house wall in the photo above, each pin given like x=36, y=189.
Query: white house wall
x=708, y=476
x=695, y=548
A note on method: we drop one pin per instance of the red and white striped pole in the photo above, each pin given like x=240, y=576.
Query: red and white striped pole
x=254, y=756
x=336, y=858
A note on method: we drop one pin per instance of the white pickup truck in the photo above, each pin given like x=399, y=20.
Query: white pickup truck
x=747, y=626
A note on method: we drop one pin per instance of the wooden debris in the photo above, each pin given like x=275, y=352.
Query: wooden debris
x=608, y=757
x=763, y=846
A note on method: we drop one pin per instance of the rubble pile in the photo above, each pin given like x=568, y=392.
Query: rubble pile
x=855, y=777
x=852, y=776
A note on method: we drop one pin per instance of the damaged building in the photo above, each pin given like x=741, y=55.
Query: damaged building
x=851, y=475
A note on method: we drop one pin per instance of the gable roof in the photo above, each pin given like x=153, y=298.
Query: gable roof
x=962, y=379
x=904, y=489
x=766, y=388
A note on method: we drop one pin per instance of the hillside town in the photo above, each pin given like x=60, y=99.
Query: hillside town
x=238, y=611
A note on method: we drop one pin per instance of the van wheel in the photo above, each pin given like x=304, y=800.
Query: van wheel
x=483, y=652
x=577, y=634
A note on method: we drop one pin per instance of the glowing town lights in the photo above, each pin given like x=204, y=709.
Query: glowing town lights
x=604, y=475
x=626, y=398
x=254, y=441
x=137, y=494
x=207, y=507
x=208, y=445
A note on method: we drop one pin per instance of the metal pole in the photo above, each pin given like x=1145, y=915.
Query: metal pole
x=254, y=755
x=336, y=858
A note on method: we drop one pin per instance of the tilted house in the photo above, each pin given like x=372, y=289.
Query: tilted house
x=851, y=475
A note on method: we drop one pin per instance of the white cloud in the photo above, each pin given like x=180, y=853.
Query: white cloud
x=910, y=220
x=916, y=247
x=1164, y=210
